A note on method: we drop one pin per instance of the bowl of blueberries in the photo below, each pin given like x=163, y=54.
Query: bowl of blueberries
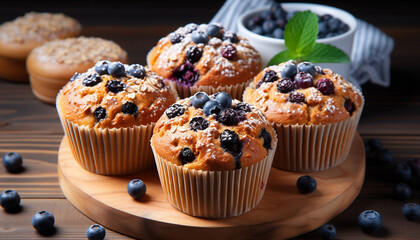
x=264, y=28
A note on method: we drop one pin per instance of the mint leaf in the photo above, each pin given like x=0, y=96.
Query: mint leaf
x=326, y=53
x=280, y=57
x=300, y=33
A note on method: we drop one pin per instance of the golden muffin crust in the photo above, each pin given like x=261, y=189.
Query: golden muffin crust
x=224, y=59
x=186, y=136
x=327, y=99
x=102, y=100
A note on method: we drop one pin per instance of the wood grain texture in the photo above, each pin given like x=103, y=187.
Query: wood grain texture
x=282, y=213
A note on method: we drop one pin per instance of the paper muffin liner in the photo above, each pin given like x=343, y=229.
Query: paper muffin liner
x=308, y=148
x=214, y=194
x=114, y=151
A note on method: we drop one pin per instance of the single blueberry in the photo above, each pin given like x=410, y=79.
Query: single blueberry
x=375, y=144
x=296, y=97
x=129, y=108
x=349, y=106
x=99, y=113
x=199, y=99
x=289, y=71
x=229, y=141
x=370, y=221
x=186, y=155
x=43, y=221
x=198, y=123
x=266, y=137
x=136, y=70
x=116, y=69
x=228, y=51
x=101, y=67
x=384, y=156
x=328, y=231
x=228, y=117
x=285, y=85
x=230, y=36
x=266, y=15
x=333, y=24
x=212, y=107
x=242, y=106
x=9, y=200
x=322, y=29
x=136, y=188
x=12, y=161
x=199, y=37
x=115, y=86
x=213, y=30
x=258, y=30
x=194, y=54
x=175, y=110
x=411, y=211
x=91, y=80
x=281, y=23
x=306, y=184
x=402, y=172
x=175, y=38
x=270, y=76
x=186, y=74
x=279, y=13
x=254, y=21
x=224, y=99
x=306, y=67
x=325, y=86
x=402, y=191
x=278, y=33
x=268, y=26
x=95, y=232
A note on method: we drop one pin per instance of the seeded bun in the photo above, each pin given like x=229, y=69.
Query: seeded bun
x=110, y=95
x=20, y=36
x=230, y=137
x=312, y=96
x=212, y=55
x=51, y=65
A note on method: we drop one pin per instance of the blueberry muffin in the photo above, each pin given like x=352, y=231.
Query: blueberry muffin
x=315, y=104
x=20, y=36
x=213, y=139
x=207, y=58
x=51, y=65
x=108, y=114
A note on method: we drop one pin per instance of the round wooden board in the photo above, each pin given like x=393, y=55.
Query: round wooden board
x=282, y=213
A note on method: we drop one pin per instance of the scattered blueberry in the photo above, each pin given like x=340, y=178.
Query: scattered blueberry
x=325, y=86
x=129, y=108
x=186, y=155
x=411, y=211
x=116, y=69
x=136, y=188
x=306, y=67
x=212, y=107
x=136, y=70
x=194, y=54
x=384, y=156
x=289, y=70
x=199, y=37
x=43, y=221
x=270, y=76
x=266, y=137
x=198, y=123
x=175, y=38
x=228, y=117
x=304, y=80
x=10, y=200
x=349, y=106
x=242, y=106
x=296, y=97
x=328, y=231
x=186, y=74
x=175, y=110
x=228, y=51
x=306, y=184
x=285, y=85
x=213, y=30
x=402, y=172
x=12, y=161
x=229, y=140
x=224, y=99
x=199, y=99
x=414, y=165
x=99, y=113
x=91, y=80
x=101, y=67
x=95, y=232
x=370, y=221
x=402, y=191
x=115, y=86
x=231, y=36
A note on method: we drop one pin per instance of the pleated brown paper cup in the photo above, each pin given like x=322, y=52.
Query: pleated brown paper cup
x=214, y=194
x=115, y=151
x=308, y=148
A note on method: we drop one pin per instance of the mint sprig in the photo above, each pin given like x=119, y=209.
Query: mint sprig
x=300, y=39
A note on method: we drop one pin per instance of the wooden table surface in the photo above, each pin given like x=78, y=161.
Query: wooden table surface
x=32, y=128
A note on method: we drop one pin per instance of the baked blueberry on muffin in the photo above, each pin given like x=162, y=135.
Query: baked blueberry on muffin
x=108, y=114
x=314, y=103
x=212, y=138
x=20, y=36
x=207, y=58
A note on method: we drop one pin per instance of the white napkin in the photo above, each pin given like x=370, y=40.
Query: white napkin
x=371, y=50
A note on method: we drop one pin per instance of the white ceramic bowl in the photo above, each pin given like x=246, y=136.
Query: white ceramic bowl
x=268, y=47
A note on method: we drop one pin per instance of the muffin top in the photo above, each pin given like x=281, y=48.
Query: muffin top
x=213, y=133
x=79, y=50
x=303, y=94
x=204, y=55
x=114, y=95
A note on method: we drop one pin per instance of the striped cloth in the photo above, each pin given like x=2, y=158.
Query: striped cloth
x=371, y=48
